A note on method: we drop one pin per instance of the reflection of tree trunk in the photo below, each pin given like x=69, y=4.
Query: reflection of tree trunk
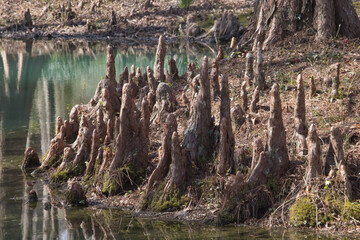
x=44, y=116
x=19, y=68
x=25, y=223
x=2, y=193
x=6, y=72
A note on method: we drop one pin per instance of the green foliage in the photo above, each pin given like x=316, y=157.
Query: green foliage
x=184, y=3
x=327, y=207
x=303, y=213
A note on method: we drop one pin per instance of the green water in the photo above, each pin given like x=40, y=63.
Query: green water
x=42, y=80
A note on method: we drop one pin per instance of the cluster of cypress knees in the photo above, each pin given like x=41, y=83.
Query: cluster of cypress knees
x=104, y=146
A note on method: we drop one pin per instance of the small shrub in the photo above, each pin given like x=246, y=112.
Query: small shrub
x=184, y=3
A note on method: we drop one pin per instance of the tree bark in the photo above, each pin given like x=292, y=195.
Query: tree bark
x=275, y=20
x=198, y=136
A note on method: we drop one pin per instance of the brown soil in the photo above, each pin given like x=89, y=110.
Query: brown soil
x=89, y=19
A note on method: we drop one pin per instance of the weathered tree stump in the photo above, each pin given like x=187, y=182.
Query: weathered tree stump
x=31, y=160
x=151, y=80
x=233, y=43
x=198, y=140
x=278, y=153
x=336, y=83
x=227, y=142
x=220, y=56
x=337, y=142
x=160, y=60
x=123, y=77
x=131, y=150
x=95, y=144
x=259, y=72
x=345, y=179
x=110, y=66
x=75, y=195
x=249, y=68
x=214, y=76
x=258, y=147
x=243, y=97
x=113, y=20
x=165, y=103
x=174, y=72
x=238, y=115
x=315, y=166
x=261, y=171
x=28, y=20
x=191, y=72
x=59, y=124
x=312, y=87
x=255, y=100
x=299, y=118
x=162, y=168
x=178, y=166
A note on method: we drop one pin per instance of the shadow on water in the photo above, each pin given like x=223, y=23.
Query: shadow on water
x=41, y=80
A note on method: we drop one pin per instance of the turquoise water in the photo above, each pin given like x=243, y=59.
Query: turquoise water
x=42, y=80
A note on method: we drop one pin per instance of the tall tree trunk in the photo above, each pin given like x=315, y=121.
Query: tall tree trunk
x=275, y=20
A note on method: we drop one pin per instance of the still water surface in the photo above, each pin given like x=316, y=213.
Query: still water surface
x=41, y=80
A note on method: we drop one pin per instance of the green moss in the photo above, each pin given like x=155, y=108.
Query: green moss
x=351, y=211
x=244, y=17
x=303, y=212
x=71, y=171
x=171, y=201
x=111, y=186
x=273, y=184
x=125, y=178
